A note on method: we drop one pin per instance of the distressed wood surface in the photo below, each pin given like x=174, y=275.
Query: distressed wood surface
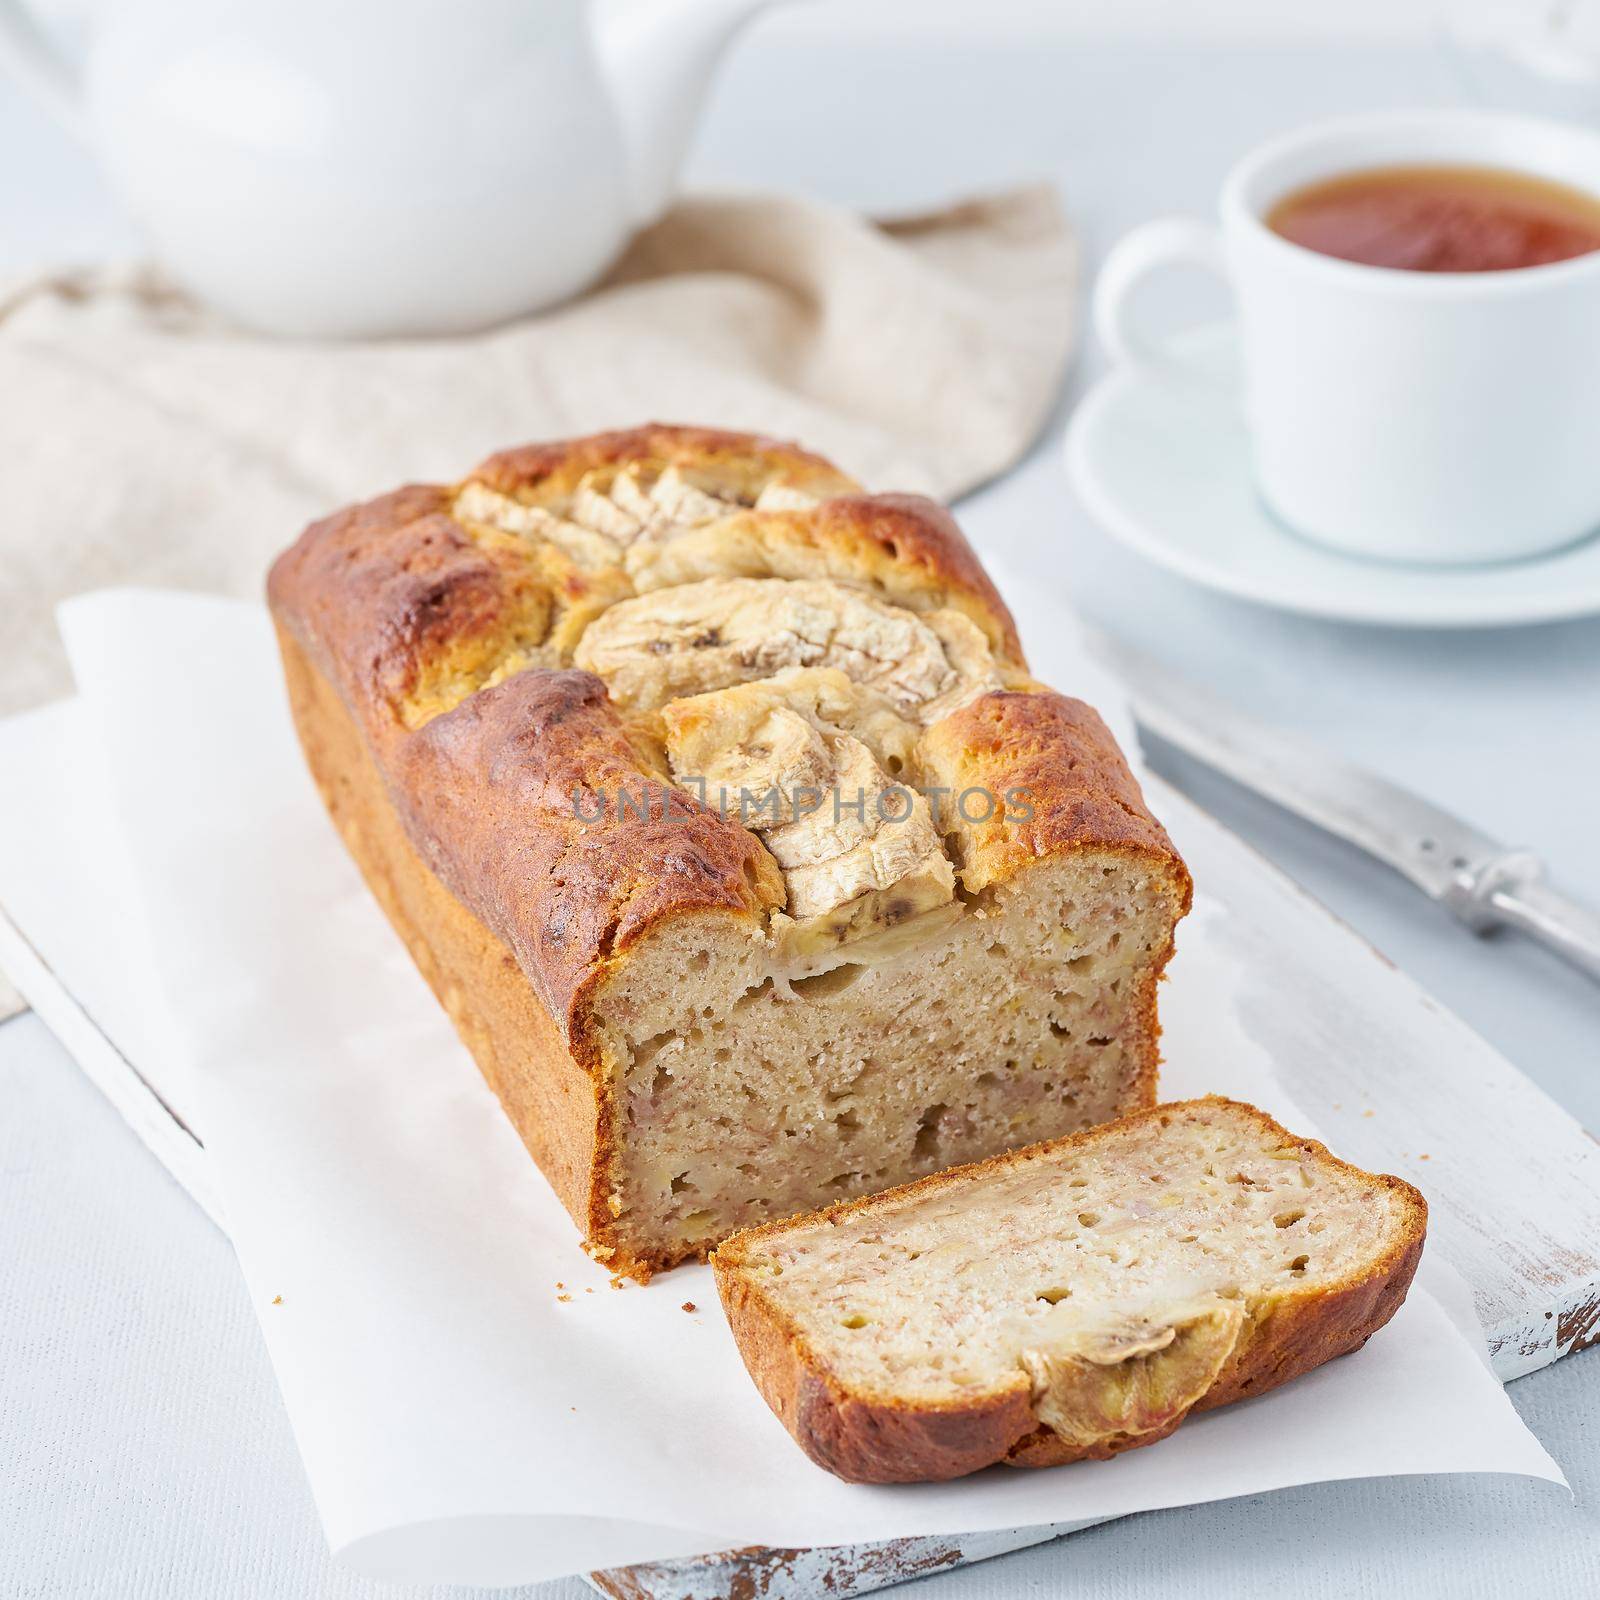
x=103, y=1062
x=1396, y=1082
x=837, y=1572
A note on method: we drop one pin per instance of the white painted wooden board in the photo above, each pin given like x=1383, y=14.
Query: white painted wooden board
x=1397, y=1083
x=1388, y=1076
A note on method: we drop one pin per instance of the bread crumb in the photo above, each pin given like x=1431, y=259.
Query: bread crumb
x=277, y=1299
x=560, y=1284
x=1423, y=1156
x=1369, y=1113
x=563, y=1298
x=688, y=1305
x=588, y=1288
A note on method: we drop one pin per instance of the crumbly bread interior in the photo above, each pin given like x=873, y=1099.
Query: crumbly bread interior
x=751, y=1090
x=1157, y=1238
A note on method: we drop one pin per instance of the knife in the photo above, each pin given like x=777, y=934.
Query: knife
x=1480, y=881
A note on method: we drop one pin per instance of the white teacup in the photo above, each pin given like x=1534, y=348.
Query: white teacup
x=1410, y=416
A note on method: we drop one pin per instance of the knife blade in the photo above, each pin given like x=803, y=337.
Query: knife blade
x=1480, y=881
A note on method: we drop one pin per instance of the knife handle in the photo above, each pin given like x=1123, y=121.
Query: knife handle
x=1533, y=908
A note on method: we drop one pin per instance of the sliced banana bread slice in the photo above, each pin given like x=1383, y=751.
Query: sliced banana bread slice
x=1070, y=1300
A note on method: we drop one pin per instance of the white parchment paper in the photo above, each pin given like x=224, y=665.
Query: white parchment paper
x=473, y=1400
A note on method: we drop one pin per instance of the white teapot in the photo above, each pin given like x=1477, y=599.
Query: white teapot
x=362, y=168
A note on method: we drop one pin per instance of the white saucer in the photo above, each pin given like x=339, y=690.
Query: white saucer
x=1165, y=467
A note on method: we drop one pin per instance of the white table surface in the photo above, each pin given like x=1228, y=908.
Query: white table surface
x=143, y=1449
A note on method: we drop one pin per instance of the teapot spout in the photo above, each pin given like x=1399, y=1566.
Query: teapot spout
x=658, y=57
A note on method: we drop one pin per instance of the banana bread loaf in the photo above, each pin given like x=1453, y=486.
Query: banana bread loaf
x=714, y=800
x=1071, y=1301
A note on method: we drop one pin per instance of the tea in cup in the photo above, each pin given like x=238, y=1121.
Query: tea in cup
x=1418, y=300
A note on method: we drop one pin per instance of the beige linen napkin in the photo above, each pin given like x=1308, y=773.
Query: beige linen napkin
x=143, y=440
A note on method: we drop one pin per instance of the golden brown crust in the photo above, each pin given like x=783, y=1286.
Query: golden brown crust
x=369, y=587
x=605, y=848
x=1072, y=787
x=743, y=460
x=917, y=542
x=866, y=1438
x=555, y=1105
x=383, y=593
